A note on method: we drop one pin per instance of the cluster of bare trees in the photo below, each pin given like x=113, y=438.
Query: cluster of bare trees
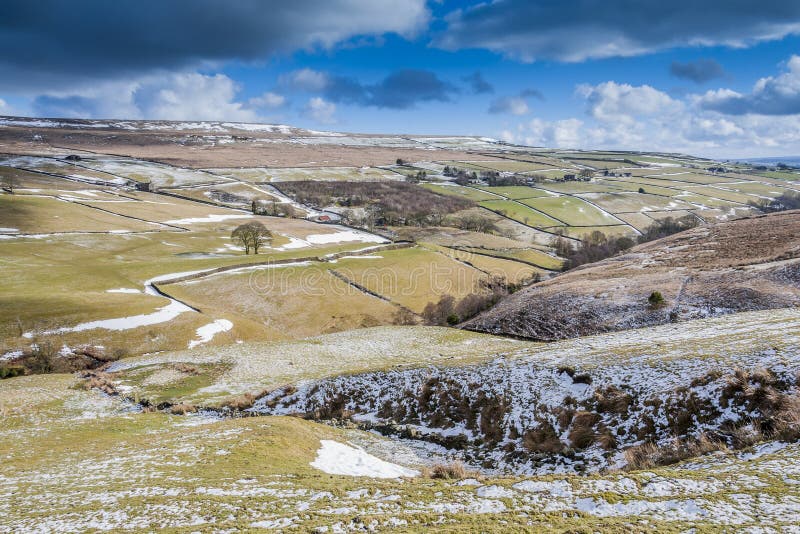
x=251, y=236
x=446, y=311
x=474, y=222
x=668, y=226
x=273, y=208
x=598, y=246
x=787, y=201
x=378, y=203
x=417, y=177
x=461, y=176
x=594, y=247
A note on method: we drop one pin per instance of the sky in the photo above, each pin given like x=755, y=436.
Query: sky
x=718, y=78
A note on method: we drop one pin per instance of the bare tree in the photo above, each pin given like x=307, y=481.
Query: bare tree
x=252, y=235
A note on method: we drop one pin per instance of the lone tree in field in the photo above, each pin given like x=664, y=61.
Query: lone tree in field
x=251, y=235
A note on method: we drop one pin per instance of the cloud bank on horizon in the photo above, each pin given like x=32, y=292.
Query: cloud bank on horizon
x=718, y=78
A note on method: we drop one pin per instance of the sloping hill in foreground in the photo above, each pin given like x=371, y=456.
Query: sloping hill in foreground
x=742, y=265
x=104, y=462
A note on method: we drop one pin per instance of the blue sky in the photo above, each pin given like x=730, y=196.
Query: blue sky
x=715, y=77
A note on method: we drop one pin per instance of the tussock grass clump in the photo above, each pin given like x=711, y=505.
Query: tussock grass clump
x=542, y=439
x=187, y=369
x=182, y=409
x=566, y=369
x=582, y=378
x=582, y=434
x=452, y=471
x=612, y=399
x=241, y=402
x=650, y=454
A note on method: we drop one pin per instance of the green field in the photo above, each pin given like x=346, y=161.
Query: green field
x=515, y=192
x=520, y=213
x=34, y=214
x=703, y=202
x=412, y=277
x=536, y=257
x=638, y=220
x=493, y=264
x=469, y=193
x=572, y=188
x=793, y=176
x=286, y=303
x=756, y=188
x=634, y=202
x=572, y=210
x=687, y=175
x=722, y=194
x=615, y=231
x=633, y=184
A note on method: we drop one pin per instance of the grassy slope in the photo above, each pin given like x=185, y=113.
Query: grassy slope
x=84, y=454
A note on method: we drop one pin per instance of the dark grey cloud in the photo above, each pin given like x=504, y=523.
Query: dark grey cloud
x=55, y=39
x=478, y=83
x=402, y=89
x=699, y=71
x=575, y=30
x=775, y=95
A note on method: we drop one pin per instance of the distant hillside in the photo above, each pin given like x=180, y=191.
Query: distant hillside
x=792, y=161
x=742, y=265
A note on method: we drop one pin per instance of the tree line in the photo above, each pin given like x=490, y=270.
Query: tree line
x=598, y=246
x=378, y=203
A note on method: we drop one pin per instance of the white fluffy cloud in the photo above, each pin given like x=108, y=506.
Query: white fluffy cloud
x=321, y=110
x=268, y=100
x=773, y=95
x=621, y=116
x=192, y=96
x=5, y=108
x=615, y=101
x=179, y=96
x=305, y=79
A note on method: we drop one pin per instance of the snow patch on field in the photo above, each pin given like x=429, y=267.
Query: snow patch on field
x=208, y=219
x=11, y=355
x=337, y=458
x=340, y=236
x=207, y=332
x=123, y=290
x=161, y=315
x=344, y=236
